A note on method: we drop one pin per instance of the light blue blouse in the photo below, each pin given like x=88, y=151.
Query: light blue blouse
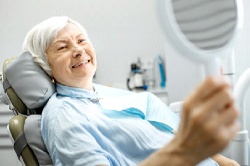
x=108, y=126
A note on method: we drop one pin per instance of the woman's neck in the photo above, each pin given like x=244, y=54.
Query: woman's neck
x=83, y=85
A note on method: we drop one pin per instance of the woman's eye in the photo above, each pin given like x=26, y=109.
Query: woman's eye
x=81, y=41
x=61, y=48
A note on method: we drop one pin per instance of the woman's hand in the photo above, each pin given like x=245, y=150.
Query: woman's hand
x=208, y=119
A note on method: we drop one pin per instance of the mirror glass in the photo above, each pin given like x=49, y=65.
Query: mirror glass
x=202, y=30
x=209, y=25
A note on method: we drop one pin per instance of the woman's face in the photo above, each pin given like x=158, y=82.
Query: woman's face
x=72, y=58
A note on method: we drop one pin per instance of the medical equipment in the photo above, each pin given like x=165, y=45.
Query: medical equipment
x=162, y=72
x=205, y=31
x=136, y=77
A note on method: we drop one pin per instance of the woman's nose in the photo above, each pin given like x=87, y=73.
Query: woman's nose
x=78, y=50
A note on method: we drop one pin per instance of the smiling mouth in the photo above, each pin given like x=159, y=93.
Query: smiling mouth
x=79, y=64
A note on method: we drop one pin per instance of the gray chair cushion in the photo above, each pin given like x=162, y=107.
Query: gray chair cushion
x=31, y=84
x=34, y=139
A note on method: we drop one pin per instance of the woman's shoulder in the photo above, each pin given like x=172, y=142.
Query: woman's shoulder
x=62, y=107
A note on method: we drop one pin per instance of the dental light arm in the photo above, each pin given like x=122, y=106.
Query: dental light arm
x=241, y=141
x=241, y=89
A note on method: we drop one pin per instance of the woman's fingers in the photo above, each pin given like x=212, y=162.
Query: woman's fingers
x=219, y=109
x=204, y=91
x=221, y=101
x=228, y=116
x=209, y=113
x=209, y=107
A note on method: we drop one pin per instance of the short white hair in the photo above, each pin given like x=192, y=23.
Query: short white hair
x=40, y=36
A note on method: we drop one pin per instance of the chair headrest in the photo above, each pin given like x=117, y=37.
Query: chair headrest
x=26, y=84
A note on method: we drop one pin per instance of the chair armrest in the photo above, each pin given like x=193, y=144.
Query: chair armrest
x=16, y=128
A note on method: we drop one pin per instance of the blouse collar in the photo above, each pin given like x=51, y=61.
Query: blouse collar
x=75, y=92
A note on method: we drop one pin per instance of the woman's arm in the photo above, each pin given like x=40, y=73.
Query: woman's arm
x=208, y=124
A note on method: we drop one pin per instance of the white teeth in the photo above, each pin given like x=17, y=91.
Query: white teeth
x=83, y=62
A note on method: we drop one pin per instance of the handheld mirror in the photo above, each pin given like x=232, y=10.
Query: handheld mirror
x=202, y=30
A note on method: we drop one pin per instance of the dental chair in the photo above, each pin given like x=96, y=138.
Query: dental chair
x=28, y=88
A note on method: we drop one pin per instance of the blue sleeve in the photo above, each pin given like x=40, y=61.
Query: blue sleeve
x=69, y=140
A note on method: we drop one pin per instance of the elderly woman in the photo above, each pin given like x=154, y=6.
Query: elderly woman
x=78, y=128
